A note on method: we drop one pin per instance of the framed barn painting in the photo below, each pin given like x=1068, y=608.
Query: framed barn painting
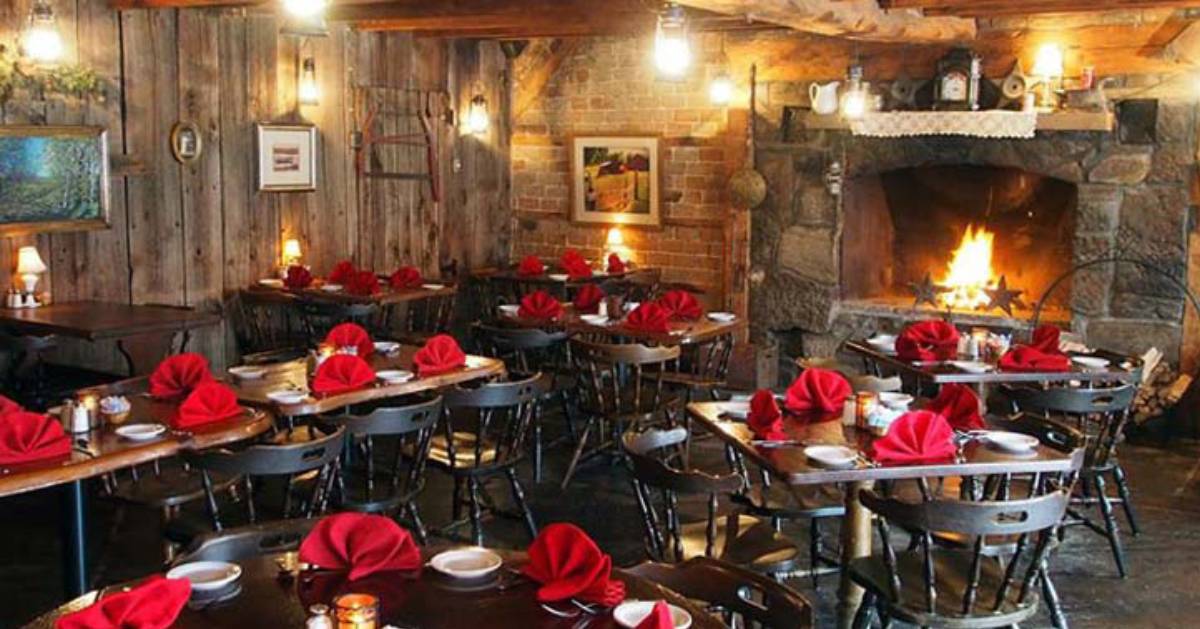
x=287, y=157
x=53, y=178
x=615, y=179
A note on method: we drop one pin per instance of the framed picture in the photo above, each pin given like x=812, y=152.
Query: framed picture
x=287, y=157
x=53, y=178
x=615, y=179
x=186, y=142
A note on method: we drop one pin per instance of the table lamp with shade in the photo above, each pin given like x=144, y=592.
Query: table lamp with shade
x=29, y=267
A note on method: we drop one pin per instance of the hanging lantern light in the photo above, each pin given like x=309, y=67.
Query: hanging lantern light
x=720, y=90
x=308, y=92
x=854, y=103
x=672, y=53
x=42, y=42
x=304, y=8
x=478, y=120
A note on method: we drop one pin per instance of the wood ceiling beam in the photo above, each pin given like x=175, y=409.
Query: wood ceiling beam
x=987, y=8
x=855, y=19
x=533, y=69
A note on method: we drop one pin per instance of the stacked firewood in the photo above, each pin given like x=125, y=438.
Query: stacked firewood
x=1159, y=392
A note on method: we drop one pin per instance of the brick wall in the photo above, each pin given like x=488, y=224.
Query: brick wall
x=608, y=86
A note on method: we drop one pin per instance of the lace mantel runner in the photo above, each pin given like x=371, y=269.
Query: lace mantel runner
x=979, y=124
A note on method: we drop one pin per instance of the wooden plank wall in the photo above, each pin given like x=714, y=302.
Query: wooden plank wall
x=193, y=235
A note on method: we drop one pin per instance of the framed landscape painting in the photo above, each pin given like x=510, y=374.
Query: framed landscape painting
x=615, y=179
x=287, y=157
x=53, y=178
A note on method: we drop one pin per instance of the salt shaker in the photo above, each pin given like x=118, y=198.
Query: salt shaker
x=602, y=309
x=81, y=419
x=318, y=617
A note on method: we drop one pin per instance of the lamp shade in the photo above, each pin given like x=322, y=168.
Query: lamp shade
x=28, y=261
x=291, y=249
x=1049, y=61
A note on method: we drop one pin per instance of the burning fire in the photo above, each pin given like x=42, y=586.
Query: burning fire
x=970, y=271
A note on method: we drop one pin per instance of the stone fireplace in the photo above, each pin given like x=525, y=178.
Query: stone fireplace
x=827, y=267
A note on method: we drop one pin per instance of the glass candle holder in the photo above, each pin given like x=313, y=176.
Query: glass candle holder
x=864, y=404
x=356, y=611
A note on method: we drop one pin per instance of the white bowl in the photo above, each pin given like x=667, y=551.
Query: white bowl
x=632, y=613
x=140, y=432
x=331, y=288
x=272, y=282
x=559, y=277
x=593, y=319
x=509, y=310
x=722, y=317
x=207, y=576
x=1011, y=441
x=433, y=286
x=394, y=376
x=831, y=456
x=1090, y=362
x=285, y=396
x=386, y=347
x=466, y=563
x=895, y=400
x=883, y=342
x=247, y=372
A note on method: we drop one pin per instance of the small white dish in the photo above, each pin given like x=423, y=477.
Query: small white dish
x=466, y=563
x=831, y=456
x=207, y=576
x=247, y=372
x=593, y=319
x=1014, y=442
x=972, y=366
x=509, y=310
x=1090, y=362
x=271, y=282
x=331, y=288
x=433, y=286
x=895, y=400
x=394, y=376
x=722, y=317
x=631, y=614
x=559, y=277
x=140, y=432
x=285, y=396
x=630, y=306
x=739, y=410
x=386, y=347
x=883, y=342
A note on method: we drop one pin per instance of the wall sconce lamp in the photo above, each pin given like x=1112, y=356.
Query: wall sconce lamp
x=307, y=90
x=42, y=42
x=672, y=53
x=478, y=119
x=305, y=9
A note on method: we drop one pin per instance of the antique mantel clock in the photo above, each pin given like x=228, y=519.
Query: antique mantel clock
x=956, y=85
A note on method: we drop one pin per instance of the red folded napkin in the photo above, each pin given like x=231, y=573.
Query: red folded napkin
x=588, y=298
x=178, y=375
x=26, y=436
x=615, y=264
x=361, y=544
x=1026, y=358
x=928, y=340
x=818, y=392
x=659, y=618
x=569, y=257
x=297, y=277
x=1046, y=339
x=649, y=317
x=765, y=418
x=568, y=564
x=155, y=604
x=681, y=305
x=531, y=265
x=207, y=403
x=341, y=373
x=439, y=355
x=959, y=405
x=575, y=265
x=540, y=305
x=351, y=335
x=8, y=406
x=342, y=272
x=406, y=277
x=363, y=283
x=916, y=437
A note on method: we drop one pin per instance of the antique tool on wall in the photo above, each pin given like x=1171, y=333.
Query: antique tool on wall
x=747, y=187
x=429, y=110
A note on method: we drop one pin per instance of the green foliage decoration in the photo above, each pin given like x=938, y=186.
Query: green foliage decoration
x=65, y=79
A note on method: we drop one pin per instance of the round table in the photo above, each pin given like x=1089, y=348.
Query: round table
x=424, y=600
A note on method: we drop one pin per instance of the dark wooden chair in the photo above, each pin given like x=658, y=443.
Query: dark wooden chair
x=319, y=317
x=702, y=368
x=246, y=542
x=266, y=321
x=25, y=379
x=530, y=350
x=484, y=435
x=399, y=434
x=934, y=586
x=415, y=322
x=1100, y=414
x=743, y=540
x=621, y=387
x=739, y=595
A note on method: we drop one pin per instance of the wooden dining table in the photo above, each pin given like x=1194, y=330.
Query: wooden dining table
x=102, y=451
x=145, y=334
x=293, y=375
x=555, y=278
x=385, y=296
x=424, y=599
x=701, y=330
x=789, y=464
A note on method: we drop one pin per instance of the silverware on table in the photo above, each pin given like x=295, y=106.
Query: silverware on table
x=778, y=443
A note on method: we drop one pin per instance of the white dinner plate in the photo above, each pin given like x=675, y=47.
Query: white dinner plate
x=593, y=319
x=738, y=411
x=559, y=277
x=433, y=286
x=247, y=372
x=285, y=396
x=632, y=613
x=272, y=282
x=1011, y=441
x=894, y=400
x=972, y=366
x=331, y=288
x=386, y=347
x=207, y=575
x=831, y=456
x=140, y=432
x=466, y=563
x=509, y=310
x=722, y=317
x=1090, y=362
x=394, y=376
x=883, y=342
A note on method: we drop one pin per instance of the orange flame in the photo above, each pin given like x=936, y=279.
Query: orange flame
x=970, y=271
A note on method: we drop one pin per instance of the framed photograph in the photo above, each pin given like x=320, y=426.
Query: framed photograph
x=615, y=179
x=186, y=142
x=53, y=178
x=287, y=157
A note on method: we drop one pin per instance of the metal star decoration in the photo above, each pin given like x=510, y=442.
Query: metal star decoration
x=926, y=291
x=1003, y=298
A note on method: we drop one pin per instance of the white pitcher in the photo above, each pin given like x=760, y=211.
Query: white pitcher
x=824, y=98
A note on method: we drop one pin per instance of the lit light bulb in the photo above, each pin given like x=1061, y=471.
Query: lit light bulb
x=304, y=8
x=720, y=91
x=614, y=238
x=854, y=104
x=42, y=43
x=308, y=92
x=477, y=116
x=672, y=53
x=1049, y=61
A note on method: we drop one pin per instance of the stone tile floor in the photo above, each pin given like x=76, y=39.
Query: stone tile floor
x=1159, y=592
